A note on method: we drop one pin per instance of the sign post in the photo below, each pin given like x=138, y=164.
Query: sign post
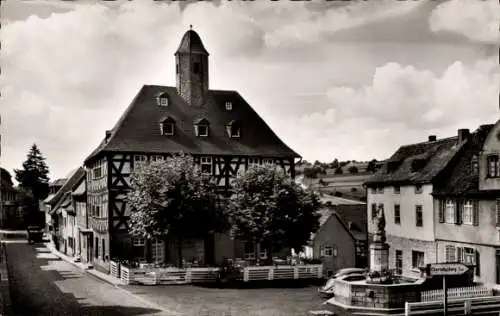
x=444, y=270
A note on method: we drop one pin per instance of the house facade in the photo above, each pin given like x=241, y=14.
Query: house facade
x=218, y=128
x=10, y=215
x=83, y=234
x=403, y=188
x=468, y=207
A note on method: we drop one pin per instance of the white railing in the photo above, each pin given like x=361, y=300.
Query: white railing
x=458, y=292
x=115, y=269
x=168, y=275
x=460, y=306
x=282, y=272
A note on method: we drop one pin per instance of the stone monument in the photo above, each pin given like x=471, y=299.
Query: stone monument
x=379, y=250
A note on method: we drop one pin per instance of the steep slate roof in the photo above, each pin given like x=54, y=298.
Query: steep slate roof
x=191, y=43
x=138, y=129
x=325, y=214
x=433, y=156
x=58, y=182
x=74, y=177
x=460, y=180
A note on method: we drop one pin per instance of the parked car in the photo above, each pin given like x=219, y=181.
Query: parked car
x=35, y=234
x=348, y=274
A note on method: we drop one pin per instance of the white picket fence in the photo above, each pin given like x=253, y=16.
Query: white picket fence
x=458, y=292
x=168, y=275
x=458, y=306
x=259, y=273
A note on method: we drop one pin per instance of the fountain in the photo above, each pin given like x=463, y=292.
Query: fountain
x=381, y=292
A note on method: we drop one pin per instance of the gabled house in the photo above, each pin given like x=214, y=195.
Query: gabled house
x=62, y=213
x=83, y=236
x=218, y=128
x=467, y=207
x=46, y=204
x=341, y=240
x=10, y=215
x=403, y=188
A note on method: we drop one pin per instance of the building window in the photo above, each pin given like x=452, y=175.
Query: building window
x=417, y=259
x=140, y=160
x=474, y=163
x=267, y=161
x=206, y=165
x=202, y=130
x=253, y=161
x=97, y=172
x=373, y=190
x=250, y=249
x=468, y=256
x=450, y=254
x=493, y=168
x=229, y=106
x=397, y=189
x=397, y=214
x=196, y=67
x=419, y=216
x=374, y=211
x=327, y=251
x=157, y=251
x=167, y=129
x=157, y=158
x=399, y=262
x=380, y=190
x=468, y=212
x=418, y=189
x=449, y=212
x=234, y=131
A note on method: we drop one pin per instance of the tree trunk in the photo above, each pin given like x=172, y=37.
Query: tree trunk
x=257, y=252
x=179, y=252
x=166, y=257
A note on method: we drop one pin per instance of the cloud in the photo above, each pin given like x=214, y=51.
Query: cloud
x=477, y=20
x=67, y=76
x=401, y=105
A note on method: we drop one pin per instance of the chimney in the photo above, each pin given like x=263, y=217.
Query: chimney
x=108, y=135
x=463, y=134
x=432, y=138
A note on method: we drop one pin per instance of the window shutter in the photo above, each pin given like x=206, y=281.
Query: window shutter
x=374, y=210
x=498, y=213
x=478, y=264
x=459, y=254
x=458, y=212
x=442, y=206
x=475, y=213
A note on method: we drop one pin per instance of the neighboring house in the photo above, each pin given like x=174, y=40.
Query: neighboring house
x=403, y=188
x=83, y=233
x=10, y=215
x=341, y=241
x=219, y=128
x=62, y=213
x=468, y=207
x=46, y=205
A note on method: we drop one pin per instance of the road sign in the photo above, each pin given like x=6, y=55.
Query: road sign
x=448, y=269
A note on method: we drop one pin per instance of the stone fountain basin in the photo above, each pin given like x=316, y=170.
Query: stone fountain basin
x=360, y=294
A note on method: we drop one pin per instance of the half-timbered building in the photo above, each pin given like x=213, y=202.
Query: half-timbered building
x=218, y=128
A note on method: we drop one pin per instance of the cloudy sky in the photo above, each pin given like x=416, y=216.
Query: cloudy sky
x=352, y=80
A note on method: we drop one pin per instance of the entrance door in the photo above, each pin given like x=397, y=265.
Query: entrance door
x=498, y=265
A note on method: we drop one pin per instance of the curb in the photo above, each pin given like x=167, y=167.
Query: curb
x=88, y=271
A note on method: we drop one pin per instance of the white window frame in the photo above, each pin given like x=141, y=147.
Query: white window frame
x=417, y=207
x=450, y=253
x=206, y=161
x=138, y=242
x=468, y=255
x=199, y=131
x=414, y=257
x=468, y=213
x=397, y=219
x=163, y=101
x=449, y=211
x=167, y=132
x=253, y=161
x=229, y=106
x=157, y=158
x=267, y=161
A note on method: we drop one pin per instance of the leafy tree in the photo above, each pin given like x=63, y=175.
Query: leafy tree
x=334, y=164
x=372, y=166
x=34, y=184
x=339, y=170
x=6, y=176
x=33, y=177
x=270, y=209
x=353, y=169
x=174, y=198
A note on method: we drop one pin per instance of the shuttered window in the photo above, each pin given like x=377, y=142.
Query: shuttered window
x=374, y=211
x=450, y=254
x=475, y=213
x=449, y=215
x=442, y=206
x=498, y=212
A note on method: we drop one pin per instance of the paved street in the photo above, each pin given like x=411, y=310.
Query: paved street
x=42, y=284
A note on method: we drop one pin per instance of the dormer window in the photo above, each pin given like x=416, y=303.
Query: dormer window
x=201, y=127
x=162, y=99
x=229, y=106
x=233, y=129
x=474, y=165
x=167, y=126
